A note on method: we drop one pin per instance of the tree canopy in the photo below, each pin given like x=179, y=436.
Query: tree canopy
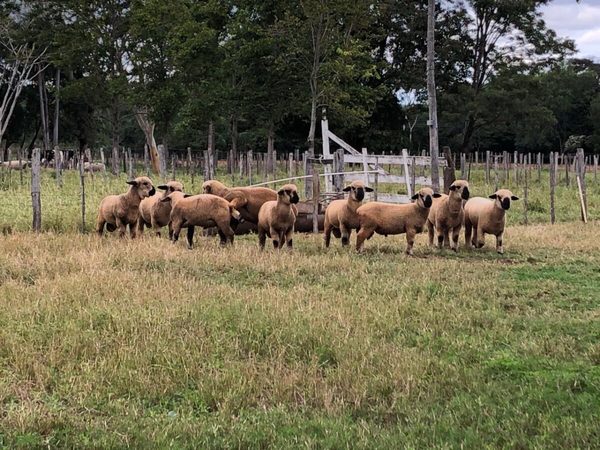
x=260, y=72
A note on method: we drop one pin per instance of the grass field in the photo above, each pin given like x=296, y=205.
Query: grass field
x=108, y=343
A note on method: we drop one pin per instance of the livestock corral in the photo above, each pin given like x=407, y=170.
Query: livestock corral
x=114, y=342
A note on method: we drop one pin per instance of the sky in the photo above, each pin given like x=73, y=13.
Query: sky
x=578, y=21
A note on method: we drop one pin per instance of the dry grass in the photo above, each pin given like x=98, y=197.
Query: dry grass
x=108, y=343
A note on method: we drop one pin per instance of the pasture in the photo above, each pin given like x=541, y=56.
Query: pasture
x=109, y=343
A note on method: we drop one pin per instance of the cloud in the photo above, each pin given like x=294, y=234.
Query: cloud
x=577, y=21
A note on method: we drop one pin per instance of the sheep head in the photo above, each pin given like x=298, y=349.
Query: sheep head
x=288, y=194
x=424, y=198
x=142, y=186
x=357, y=190
x=502, y=198
x=460, y=189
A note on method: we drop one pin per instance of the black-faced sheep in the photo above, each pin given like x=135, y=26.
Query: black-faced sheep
x=276, y=218
x=341, y=217
x=446, y=215
x=386, y=218
x=154, y=213
x=119, y=211
x=487, y=216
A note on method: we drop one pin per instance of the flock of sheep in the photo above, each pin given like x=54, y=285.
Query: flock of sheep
x=274, y=213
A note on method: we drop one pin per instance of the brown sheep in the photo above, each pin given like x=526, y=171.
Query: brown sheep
x=386, y=218
x=154, y=213
x=203, y=210
x=118, y=211
x=214, y=187
x=276, y=218
x=484, y=216
x=340, y=215
x=246, y=200
x=446, y=215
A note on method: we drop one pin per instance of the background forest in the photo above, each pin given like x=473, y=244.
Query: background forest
x=248, y=74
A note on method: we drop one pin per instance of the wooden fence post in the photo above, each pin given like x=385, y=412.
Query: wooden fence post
x=487, y=167
x=173, y=163
x=57, y=166
x=581, y=183
x=82, y=186
x=36, y=201
x=315, y=198
x=553, y=164
x=376, y=181
x=162, y=160
x=526, y=197
x=249, y=166
x=595, y=169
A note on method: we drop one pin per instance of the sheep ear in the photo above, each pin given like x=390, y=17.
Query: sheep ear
x=452, y=188
x=368, y=189
x=347, y=189
x=162, y=187
x=436, y=195
x=280, y=192
x=493, y=196
x=132, y=182
x=187, y=195
x=414, y=197
x=514, y=197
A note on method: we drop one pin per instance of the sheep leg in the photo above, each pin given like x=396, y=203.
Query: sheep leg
x=262, y=238
x=468, y=230
x=499, y=247
x=122, y=227
x=440, y=239
x=447, y=238
x=362, y=234
x=170, y=230
x=222, y=237
x=289, y=238
x=327, y=234
x=175, y=230
x=275, y=236
x=479, y=238
x=430, y=232
x=155, y=227
x=190, y=237
x=100, y=222
x=455, y=235
x=133, y=230
x=345, y=235
x=140, y=226
x=410, y=241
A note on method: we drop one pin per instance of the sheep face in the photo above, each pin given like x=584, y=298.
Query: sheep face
x=357, y=190
x=502, y=198
x=460, y=188
x=170, y=187
x=288, y=194
x=424, y=198
x=142, y=186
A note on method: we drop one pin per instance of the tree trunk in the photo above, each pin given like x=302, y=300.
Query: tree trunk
x=44, y=113
x=271, y=150
x=56, y=108
x=234, y=137
x=468, y=134
x=115, y=128
x=211, y=150
x=147, y=127
x=431, y=94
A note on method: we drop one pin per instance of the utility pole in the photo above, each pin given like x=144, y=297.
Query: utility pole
x=432, y=99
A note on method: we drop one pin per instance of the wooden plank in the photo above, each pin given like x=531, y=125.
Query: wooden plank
x=393, y=198
x=390, y=159
x=36, y=200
